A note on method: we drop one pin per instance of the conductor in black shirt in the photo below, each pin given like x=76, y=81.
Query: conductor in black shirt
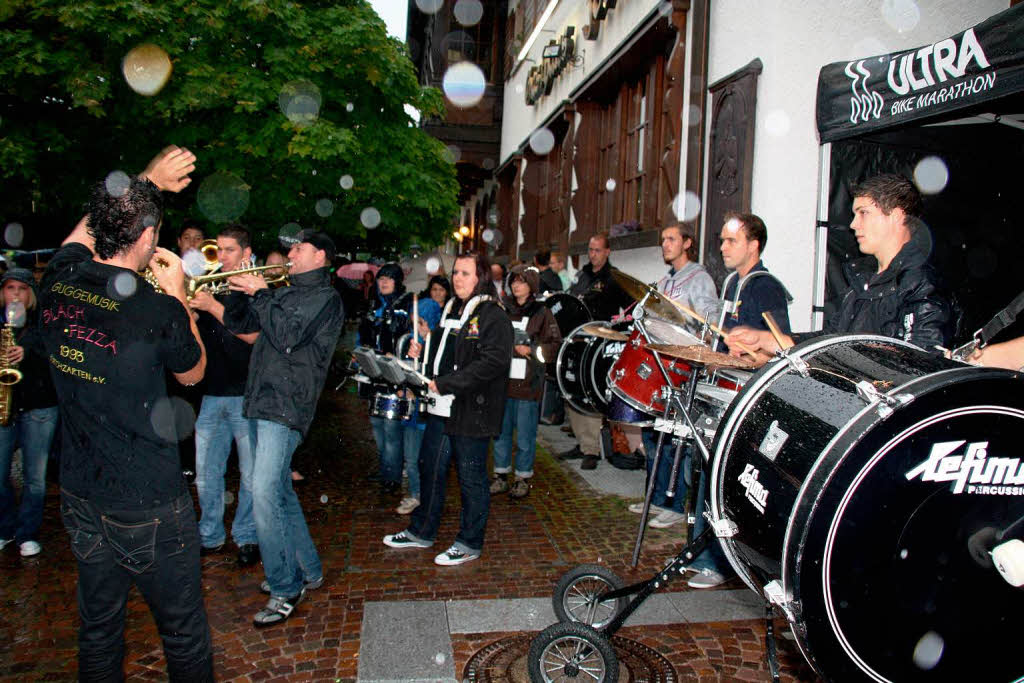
x=108, y=337
x=220, y=417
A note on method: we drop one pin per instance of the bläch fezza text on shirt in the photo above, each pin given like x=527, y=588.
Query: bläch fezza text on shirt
x=107, y=354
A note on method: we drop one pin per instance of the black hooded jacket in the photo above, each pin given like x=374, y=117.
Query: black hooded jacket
x=599, y=292
x=299, y=329
x=906, y=301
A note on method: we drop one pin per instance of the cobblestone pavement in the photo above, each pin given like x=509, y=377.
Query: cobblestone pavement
x=530, y=543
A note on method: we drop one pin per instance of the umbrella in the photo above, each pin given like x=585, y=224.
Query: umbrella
x=354, y=271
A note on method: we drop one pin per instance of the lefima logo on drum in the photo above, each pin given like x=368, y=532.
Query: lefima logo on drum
x=971, y=469
x=757, y=494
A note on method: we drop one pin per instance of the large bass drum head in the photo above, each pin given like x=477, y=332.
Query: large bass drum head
x=892, y=566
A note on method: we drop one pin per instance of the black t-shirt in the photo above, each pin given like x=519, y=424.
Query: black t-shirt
x=227, y=356
x=107, y=354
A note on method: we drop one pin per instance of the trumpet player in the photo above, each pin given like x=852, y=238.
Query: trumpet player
x=220, y=415
x=29, y=414
x=299, y=329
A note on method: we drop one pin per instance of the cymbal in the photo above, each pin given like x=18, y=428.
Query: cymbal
x=657, y=303
x=599, y=330
x=702, y=355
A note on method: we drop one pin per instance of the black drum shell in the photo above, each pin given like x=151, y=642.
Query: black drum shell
x=826, y=486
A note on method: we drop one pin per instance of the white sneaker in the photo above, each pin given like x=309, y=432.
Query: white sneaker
x=407, y=505
x=404, y=540
x=30, y=548
x=454, y=556
x=707, y=578
x=638, y=508
x=666, y=518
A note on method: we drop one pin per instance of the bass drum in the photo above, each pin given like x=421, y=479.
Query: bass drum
x=569, y=311
x=572, y=370
x=863, y=497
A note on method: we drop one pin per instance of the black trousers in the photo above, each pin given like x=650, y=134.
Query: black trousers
x=156, y=550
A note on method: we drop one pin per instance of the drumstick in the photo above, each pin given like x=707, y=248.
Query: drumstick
x=714, y=328
x=415, y=328
x=776, y=332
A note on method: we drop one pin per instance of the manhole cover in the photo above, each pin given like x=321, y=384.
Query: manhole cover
x=505, y=660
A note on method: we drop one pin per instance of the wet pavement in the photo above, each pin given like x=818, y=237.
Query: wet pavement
x=530, y=544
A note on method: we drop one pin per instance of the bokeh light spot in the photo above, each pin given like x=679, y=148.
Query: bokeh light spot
x=300, y=102
x=542, y=141
x=223, y=197
x=346, y=182
x=464, y=84
x=324, y=207
x=146, y=69
x=117, y=183
x=14, y=234
x=468, y=12
x=370, y=218
x=686, y=206
x=931, y=175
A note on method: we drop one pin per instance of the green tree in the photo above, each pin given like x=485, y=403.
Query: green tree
x=242, y=96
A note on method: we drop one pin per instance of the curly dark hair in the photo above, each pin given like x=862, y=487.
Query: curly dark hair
x=117, y=222
x=890, y=191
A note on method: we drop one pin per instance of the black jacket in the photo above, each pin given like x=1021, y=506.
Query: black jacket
x=905, y=301
x=35, y=390
x=475, y=369
x=299, y=329
x=549, y=281
x=386, y=322
x=599, y=292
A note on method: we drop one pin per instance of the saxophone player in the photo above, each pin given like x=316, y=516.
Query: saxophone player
x=29, y=415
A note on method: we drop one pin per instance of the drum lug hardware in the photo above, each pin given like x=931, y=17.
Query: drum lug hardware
x=620, y=373
x=886, y=403
x=773, y=441
x=776, y=596
x=724, y=528
x=795, y=362
x=644, y=371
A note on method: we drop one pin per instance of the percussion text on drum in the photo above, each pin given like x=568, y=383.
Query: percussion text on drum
x=757, y=494
x=971, y=467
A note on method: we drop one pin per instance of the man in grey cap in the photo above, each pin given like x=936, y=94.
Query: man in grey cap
x=299, y=328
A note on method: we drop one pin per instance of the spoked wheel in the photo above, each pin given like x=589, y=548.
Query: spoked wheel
x=571, y=651
x=579, y=596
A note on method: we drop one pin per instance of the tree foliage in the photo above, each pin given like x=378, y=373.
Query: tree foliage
x=68, y=117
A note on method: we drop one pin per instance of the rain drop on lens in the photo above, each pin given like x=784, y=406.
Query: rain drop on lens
x=350, y=107
x=146, y=69
x=117, y=183
x=464, y=84
x=686, y=206
x=468, y=12
x=452, y=153
x=300, y=102
x=928, y=651
x=432, y=265
x=610, y=184
x=439, y=658
x=324, y=207
x=487, y=235
x=323, y=498
x=931, y=175
x=346, y=182
x=901, y=15
x=429, y=6
x=370, y=218
x=223, y=197
x=542, y=141
x=289, y=233
x=124, y=285
x=14, y=234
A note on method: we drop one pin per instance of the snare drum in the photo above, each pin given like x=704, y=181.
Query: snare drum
x=863, y=499
x=636, y=379
x=392, y=407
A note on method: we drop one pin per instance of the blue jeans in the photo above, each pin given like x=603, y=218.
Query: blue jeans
x=289, y=556
x=33, y=429
x=157, y=550
x=520, y=416
x=220, y=419
x=412, y=441
x=388, y=435
x=713, y=558
x=470, y=455
x=664, y=473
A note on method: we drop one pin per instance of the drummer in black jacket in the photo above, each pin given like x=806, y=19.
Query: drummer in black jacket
x=605, y=300
x=469, y=360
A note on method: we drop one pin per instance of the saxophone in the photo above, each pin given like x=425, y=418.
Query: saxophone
x=9, y=375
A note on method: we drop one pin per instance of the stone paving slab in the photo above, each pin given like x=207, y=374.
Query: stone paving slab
x=405, y=641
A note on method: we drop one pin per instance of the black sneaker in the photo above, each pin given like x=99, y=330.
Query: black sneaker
x=248, y=554
x=574, y=454
x=590, y=462
x=279, y=608
x=205, y=550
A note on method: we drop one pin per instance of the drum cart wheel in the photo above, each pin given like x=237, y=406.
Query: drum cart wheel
x=579, y=596
x=572, y=651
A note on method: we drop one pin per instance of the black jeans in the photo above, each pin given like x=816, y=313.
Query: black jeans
x=470, y=455
x=158, y=551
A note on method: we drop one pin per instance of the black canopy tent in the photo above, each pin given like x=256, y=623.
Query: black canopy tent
x=960, y=99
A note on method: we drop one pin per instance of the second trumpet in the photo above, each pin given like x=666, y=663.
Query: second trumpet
x=216, y=283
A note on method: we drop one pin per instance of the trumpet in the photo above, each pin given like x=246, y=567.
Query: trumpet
x=197, y=283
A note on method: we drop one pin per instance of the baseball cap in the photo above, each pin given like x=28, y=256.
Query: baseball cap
x=319, y=240
x=20, y=274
